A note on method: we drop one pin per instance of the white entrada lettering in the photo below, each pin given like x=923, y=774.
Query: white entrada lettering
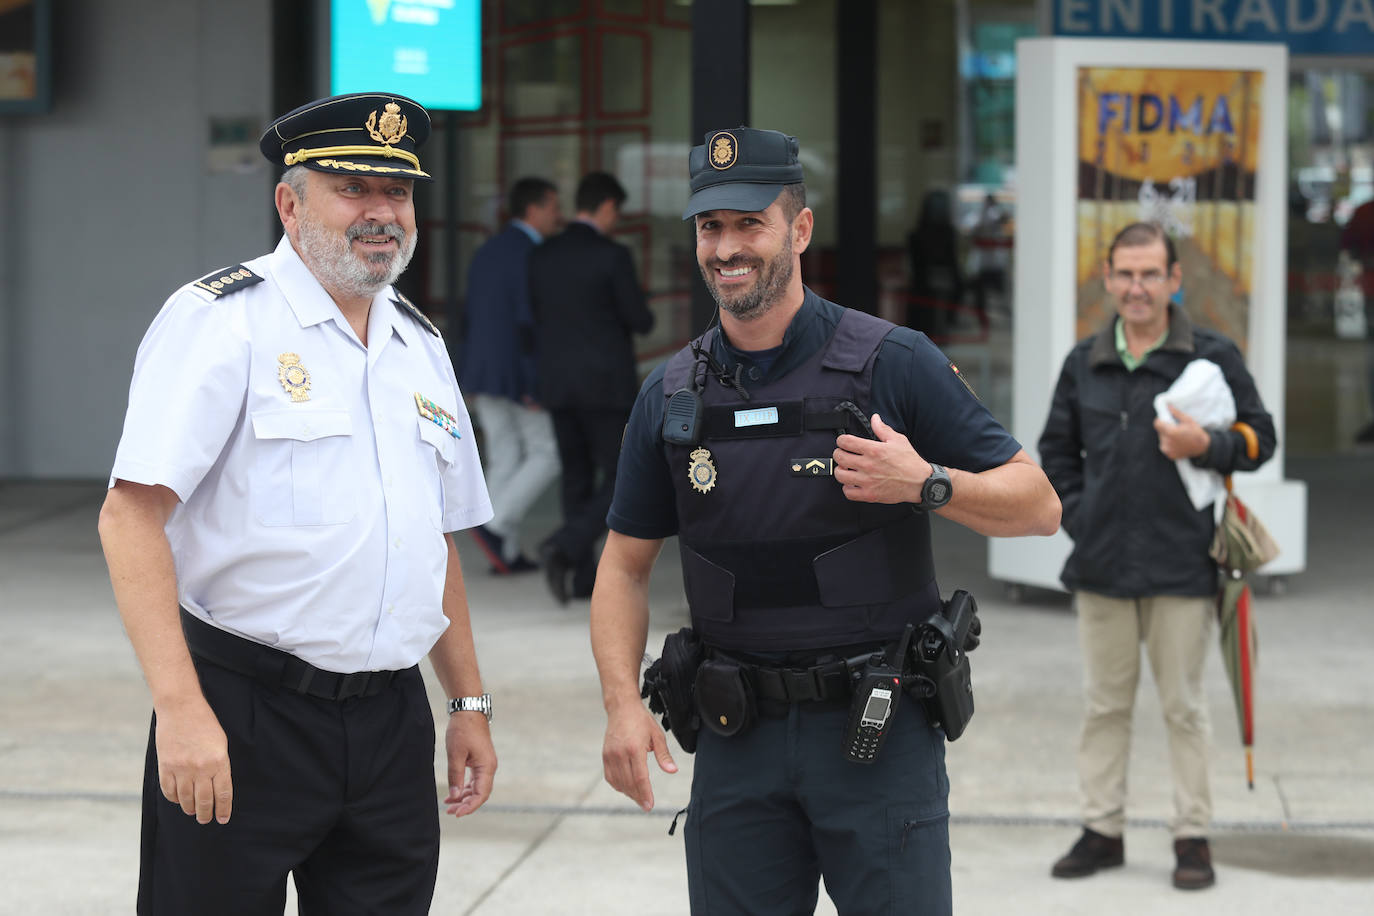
x=1257, y=11
x=1127, y=11
x=1355, y=11
x=1075, y=16
x=1298, y=24
x=1211, y=9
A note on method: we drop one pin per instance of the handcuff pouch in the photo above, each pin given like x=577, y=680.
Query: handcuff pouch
x=725, y=698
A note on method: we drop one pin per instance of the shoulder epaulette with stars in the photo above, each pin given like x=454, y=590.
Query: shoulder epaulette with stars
x=229, y=280
x=402, y=302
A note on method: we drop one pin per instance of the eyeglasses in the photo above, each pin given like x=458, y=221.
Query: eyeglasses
x=1150, y=280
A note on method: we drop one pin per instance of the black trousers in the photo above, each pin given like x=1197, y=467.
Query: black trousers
x=778, y=807
x=339, y=793
x=589, y=448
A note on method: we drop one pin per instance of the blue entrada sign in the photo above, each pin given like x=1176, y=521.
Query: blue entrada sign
x=1306, y=26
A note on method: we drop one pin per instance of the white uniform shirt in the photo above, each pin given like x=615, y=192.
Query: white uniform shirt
x=314, y=526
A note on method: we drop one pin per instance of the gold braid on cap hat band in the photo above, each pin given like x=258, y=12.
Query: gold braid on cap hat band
x=386, y=152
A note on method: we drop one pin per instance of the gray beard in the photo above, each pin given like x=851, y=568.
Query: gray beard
x=774, y=278
x=331, y=259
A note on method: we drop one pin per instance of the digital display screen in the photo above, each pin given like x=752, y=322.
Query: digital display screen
x=429, y=50
x=875, y=711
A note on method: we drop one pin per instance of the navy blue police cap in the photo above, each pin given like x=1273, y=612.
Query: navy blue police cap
x=362, y=133
x=741, y=169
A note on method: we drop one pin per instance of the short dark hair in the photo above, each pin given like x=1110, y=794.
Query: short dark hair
x=793, y=200
x=1138, y=234
x=528, y=192
x=596, y=188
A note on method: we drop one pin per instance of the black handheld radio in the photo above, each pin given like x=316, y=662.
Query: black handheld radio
x=877, y=689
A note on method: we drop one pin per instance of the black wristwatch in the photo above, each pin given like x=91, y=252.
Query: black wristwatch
x=937, y=489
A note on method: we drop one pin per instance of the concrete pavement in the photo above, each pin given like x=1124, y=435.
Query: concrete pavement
x=555, y=839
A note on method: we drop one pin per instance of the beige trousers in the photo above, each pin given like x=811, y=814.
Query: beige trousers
x=1177, y=633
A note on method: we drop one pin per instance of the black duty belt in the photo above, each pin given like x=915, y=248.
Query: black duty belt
x=830, y=681
x=276, y=668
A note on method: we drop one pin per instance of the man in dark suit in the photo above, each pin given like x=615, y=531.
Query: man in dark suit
x=587, y=302
x=497, y=372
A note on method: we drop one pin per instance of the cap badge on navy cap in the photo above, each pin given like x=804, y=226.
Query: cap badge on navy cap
x=374, y=133
x=393, y=124
x=724, y=150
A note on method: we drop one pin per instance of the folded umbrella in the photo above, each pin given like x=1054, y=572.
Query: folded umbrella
x=1236, y=550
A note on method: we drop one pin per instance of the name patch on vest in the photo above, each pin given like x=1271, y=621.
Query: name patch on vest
x=758, y=416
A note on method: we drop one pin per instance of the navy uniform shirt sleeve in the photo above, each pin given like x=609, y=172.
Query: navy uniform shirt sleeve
x=644, y=505
x=917, y=392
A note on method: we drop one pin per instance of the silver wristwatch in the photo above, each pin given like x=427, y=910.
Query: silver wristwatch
x=480, y=704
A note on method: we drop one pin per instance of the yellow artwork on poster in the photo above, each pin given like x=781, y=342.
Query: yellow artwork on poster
x=1181, y=148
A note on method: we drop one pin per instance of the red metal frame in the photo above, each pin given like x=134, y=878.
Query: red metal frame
x=645, y=67
x=587, y=74
x=662, y=18
x=599, y=160
x=506, y=29
x=505, y=136
x=641, y=18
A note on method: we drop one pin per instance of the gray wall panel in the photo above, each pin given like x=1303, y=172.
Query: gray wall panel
x=118, y=207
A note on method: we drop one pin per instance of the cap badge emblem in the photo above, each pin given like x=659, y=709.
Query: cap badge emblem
x=294, y=377
x=724, y=150
x=702, y=472
x=392, y=126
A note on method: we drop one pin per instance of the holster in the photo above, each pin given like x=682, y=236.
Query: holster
x=725, y=699
x=940, y=657
x=669, y=683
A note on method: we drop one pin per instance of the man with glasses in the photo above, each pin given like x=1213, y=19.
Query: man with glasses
x=1139, y=569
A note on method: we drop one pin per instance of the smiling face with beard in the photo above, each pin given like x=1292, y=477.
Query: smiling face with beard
x=770, y=280
x=748, y=259
x=336, y=260
x=357, y=235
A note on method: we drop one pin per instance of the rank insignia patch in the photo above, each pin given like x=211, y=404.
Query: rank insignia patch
x=294, y=377
x=812, y=467
x=701, y=472
x=437, y=415
x=229, y=280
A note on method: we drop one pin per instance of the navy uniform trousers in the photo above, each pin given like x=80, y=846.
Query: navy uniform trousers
x=339, y=792
x=779, y=806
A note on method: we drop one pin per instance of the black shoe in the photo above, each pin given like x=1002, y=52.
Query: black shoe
x=1366, y=435
x=521, y=564
x=1194, y=870
x=556, y=570
x=491, y=544
x=1093, y=851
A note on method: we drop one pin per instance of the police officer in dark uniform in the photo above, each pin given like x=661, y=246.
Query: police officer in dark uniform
x=806, y=444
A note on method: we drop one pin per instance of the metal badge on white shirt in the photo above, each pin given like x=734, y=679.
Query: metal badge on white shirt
x=294, y=377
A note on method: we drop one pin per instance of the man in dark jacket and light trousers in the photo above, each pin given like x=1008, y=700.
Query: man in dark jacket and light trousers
x=497, y=372
x=1139, y=569
x=587, y=305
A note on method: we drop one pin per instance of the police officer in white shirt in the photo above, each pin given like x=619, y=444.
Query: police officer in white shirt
x=294, y=451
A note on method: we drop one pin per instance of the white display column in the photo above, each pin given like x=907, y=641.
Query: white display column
x=1050, y=144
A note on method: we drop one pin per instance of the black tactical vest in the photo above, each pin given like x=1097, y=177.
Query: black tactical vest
x=774, y=557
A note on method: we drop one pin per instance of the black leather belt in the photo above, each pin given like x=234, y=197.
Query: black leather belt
x=276, y=668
